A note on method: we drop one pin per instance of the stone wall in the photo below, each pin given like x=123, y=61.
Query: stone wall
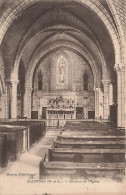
x=76, y=69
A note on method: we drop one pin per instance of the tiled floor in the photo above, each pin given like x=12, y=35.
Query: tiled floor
x=28, y=164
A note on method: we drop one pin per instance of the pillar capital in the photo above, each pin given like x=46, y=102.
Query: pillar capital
x=29, y=89
x=14, y=82
x=119, y=67
x=106, y=82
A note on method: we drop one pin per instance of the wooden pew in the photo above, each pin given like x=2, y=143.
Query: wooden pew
x=35, y=131
x=72, y=170
x=3, y=151
x=87, y=155
x=90, y=144
x=20, y=137
x=14, y=141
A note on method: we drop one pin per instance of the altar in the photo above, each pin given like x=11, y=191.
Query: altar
x=59, y=95
x=59, y=110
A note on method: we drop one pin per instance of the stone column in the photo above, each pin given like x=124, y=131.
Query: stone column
x=119, y=98
x=6, y=101
x=125, y=101
x=39, y=109
x=14, y=99
x=27, y=103
x=85, y=107
x=106, y=109
x=123, y=95
x=100, y=103
x=96, y=103
x=111, y=94
x=120, y=69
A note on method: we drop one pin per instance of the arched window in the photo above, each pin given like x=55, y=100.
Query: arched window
x=85, y=81
x=19, y=90
x=40, y=80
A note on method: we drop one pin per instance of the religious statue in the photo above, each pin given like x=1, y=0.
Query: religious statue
x=62, y=73
x=62, y=70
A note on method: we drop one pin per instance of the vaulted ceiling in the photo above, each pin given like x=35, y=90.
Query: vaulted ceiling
x=46, y=24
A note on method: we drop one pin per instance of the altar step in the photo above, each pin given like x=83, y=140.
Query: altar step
x=82, y=170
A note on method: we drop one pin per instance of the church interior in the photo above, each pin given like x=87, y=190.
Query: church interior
x=63, y=88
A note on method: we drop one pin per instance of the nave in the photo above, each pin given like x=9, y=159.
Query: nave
x=62, y=93
x=78, y=150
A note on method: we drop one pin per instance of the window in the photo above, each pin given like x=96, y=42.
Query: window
x=40, y=80
x=85, y=81
x=19, y=90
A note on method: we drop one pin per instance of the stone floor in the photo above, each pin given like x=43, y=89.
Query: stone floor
x=28, y=163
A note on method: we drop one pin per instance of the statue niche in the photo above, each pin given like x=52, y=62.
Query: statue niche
x=85, y=81
x=62, y=73
x=40, y=77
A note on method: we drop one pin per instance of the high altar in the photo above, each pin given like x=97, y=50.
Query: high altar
x=60, y=108
x=61, y=95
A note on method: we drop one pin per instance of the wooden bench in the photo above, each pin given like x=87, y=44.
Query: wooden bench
x=21, y=136
x=89, y=144
x=14, y=141
x=82, y=170
x=3, y=151
x=87, y=155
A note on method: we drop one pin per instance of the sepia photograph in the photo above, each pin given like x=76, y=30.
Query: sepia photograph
x=62, y=97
